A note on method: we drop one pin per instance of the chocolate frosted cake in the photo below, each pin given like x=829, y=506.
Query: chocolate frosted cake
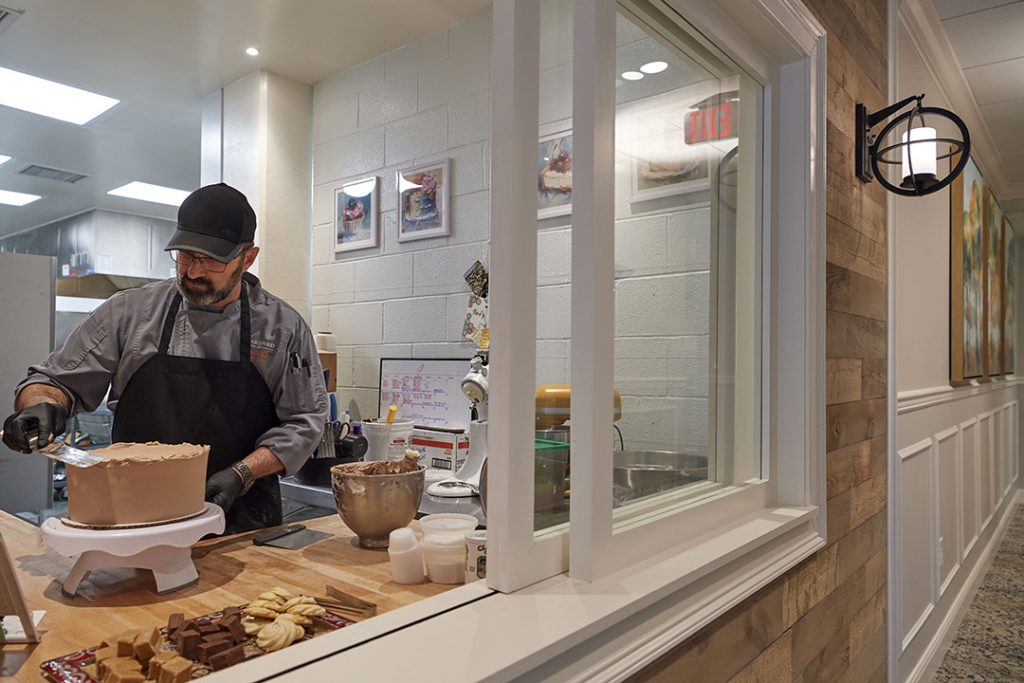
x=139, y=483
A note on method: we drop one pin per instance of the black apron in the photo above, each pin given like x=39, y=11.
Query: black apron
x=227, y=405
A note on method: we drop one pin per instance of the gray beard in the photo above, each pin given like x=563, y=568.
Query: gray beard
x=201, y=292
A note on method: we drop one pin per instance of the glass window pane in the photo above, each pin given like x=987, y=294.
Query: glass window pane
x=554, y=264
x=687, y=267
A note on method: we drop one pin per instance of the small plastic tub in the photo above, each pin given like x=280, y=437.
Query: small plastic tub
x=448, y=523
x=445, y=557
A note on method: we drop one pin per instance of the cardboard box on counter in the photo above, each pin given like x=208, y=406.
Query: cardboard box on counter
x=441, y=449
x=329, y=362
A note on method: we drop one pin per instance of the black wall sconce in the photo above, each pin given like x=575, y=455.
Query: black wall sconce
x=918, y=146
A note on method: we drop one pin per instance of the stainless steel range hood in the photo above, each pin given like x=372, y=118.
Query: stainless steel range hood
x=100, y=252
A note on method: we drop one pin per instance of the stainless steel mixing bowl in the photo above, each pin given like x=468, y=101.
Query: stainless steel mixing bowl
x=374, y=505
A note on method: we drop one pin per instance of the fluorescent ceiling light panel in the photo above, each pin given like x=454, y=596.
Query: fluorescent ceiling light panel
x=150, y=193
x=46, y=98
x=252, y=51
x=4, y=159
x=632, y=75
x=17, y=198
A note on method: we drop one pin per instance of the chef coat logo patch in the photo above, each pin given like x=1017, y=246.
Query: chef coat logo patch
x=260, y=349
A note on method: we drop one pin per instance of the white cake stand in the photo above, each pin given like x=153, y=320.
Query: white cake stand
x=164, y=549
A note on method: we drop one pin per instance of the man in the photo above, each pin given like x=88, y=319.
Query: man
x=208, y=357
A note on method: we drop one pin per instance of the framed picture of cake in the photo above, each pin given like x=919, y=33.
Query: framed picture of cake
x=993, y=285
x=423, y=193
x=355, y=215
x=554, y=170
x=662, y=160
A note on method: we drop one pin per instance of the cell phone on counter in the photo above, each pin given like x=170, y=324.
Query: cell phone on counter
x=264, y=537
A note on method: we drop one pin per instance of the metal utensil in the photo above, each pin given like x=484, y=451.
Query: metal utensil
x=69, y=455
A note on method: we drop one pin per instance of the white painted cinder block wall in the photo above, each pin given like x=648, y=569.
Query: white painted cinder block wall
x=429, y=100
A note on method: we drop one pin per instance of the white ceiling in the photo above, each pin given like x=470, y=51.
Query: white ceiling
x=160, y=57
x=988, y=41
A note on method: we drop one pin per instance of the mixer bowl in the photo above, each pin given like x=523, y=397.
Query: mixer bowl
x=374, y=505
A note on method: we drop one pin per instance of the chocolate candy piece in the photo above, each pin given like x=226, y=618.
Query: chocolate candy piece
x=207, y=650
x=224, y=659
x=233, y=624
x=208, y=628
x=219, y=635
x=174, y=623
x=189, y=643
x=177, y=670
x=235, y=609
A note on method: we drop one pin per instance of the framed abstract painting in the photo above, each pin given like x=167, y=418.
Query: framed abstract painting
x=967, y=276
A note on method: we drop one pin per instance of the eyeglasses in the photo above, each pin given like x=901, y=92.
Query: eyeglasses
x=186, y=259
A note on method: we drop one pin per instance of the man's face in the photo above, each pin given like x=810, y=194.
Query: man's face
x=205, y=288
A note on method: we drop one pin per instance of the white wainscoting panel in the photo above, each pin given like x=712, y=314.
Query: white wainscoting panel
x=985, y=471
x=917, y=548
x=947, y=473
x=970, y=513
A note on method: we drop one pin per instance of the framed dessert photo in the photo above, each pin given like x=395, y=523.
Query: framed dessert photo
x=423, y=193
x=554, y=171
x=356, y=215
x=671, y=149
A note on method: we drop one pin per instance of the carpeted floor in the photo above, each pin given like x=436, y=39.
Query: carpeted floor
x=989, y=645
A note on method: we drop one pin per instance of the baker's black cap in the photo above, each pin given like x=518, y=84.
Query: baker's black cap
x=213, y=221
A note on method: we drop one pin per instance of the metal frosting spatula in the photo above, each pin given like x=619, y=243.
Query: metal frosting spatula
x=69, y=455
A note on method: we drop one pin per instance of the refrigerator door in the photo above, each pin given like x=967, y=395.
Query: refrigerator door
x=27, y=287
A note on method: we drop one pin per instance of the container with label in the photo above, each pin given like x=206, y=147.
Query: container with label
x=476, y=555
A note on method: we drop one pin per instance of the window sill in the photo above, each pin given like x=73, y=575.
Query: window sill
x=570, y=630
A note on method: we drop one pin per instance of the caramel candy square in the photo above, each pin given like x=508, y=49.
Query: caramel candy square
x=147, y=643
x=104, y=653
x=126, y=644
x=223, y=660
x=158, y=661
x=176, y=670
x=124, y=676
x=117, y=664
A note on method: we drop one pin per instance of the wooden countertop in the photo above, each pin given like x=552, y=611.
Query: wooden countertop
x=231, y=569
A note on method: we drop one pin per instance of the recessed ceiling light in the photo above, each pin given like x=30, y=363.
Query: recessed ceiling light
x=632, y=75
x=46, y=98
x=4, y=159
x=654, y=67
x=150, y=193
x=17, y=198
x=252, y=51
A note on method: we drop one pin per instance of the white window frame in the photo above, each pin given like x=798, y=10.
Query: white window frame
x=790, y=499
x=613, y=622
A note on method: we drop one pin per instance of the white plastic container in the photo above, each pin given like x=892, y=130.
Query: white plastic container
x=448, y=523
x=476, y=555
x=387, y=441
x=406, y=556
x=445, y=556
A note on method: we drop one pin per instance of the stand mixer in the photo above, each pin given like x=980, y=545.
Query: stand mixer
x=466, y=481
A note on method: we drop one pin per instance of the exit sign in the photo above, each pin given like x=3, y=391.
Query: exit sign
x=715, y=118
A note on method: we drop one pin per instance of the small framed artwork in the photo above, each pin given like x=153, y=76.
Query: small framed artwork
x=423, y=200
x=355, y=215
x=554, y=170
x=663, y=162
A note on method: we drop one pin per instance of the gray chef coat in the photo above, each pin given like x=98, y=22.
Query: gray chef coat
x=124, y=332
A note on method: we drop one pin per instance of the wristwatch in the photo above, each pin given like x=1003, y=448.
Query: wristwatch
x=246, y=475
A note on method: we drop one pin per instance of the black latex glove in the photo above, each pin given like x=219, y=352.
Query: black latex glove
x=44, y=420
x=222, y=488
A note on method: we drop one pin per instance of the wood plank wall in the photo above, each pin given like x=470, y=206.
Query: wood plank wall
x=825, y=620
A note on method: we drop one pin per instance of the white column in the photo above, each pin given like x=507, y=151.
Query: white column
x=264, y=138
